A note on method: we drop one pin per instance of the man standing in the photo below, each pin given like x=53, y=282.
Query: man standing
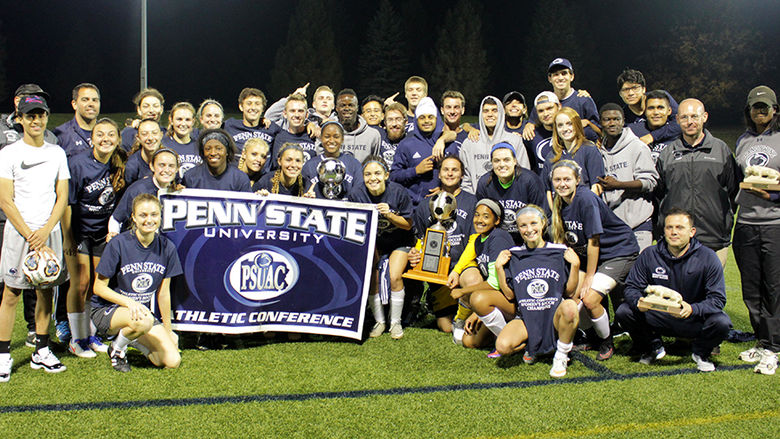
x=251, y=103
x=149, y=104
x=453, y=106
x=394, y=132
x=657, y=119
x=75, y=135
x=359, y=139
x=415, y=88
x=539, y=146
x=33, y=194
x=679, y=262
x=697, y=171
x=515, y=109
x=631, y=87
x=295, y=112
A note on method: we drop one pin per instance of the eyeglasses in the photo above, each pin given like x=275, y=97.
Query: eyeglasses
x=760, y=108
x=632, y=89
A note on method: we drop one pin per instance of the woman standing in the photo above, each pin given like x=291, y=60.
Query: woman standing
x=217, y=171
x=148, y=140
x=179, y=136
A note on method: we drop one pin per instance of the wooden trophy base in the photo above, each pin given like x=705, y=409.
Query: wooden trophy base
x=658, y=303
x=763, y=186
x=440, y=277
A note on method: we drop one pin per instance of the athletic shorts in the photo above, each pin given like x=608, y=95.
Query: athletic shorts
x=611, y=273
x=443, y=303
x=101, y=316
x=15, y=248
x=92, y=246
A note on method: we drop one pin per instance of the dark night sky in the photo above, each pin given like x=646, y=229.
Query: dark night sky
x=200, y=48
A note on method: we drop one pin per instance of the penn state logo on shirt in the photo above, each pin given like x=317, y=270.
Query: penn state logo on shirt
x=107, y=196
x=184, y=168
x=571, y=238
x=660, y=273
x=509, y=220
x=261, y=275
x=537, y=288
x=757, y=159
x=389, y=153
x=487, y=166
x=677, y=155
x=142, y=282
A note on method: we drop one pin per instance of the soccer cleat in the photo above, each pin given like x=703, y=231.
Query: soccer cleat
x=377, y=330
x=80, y=348
x=458, y=331
x=5, y=369
x=30, y=340
x=768, y=363
x=494, y=354
x=118, y=359
x=559, y=365
x=96, y=344
x=752, y=355
x=45, y=359
x=703, y=364
x=606, y=349
x=396, y=330
x=652, y=356
x=617, y=331
x=62, y=329
x=529, y=359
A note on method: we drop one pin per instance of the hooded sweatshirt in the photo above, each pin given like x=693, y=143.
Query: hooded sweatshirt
x=630, y=159
x=362, y=142
x=476, y=155
x=413, y=149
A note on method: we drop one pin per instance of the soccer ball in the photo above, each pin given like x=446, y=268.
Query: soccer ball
x=331, y=171
x=41, y=268
x=443, y=205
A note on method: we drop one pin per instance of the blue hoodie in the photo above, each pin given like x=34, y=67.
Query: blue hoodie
x=411, y=151
x=697, y=275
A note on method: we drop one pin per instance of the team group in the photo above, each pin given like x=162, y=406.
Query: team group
x=557, y=207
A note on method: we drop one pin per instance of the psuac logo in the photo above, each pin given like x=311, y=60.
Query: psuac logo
x=142, y=282
x=537, y=288
x=261, y=275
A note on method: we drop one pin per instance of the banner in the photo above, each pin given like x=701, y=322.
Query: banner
x=275, y=263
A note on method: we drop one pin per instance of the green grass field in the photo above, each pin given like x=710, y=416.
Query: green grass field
x=420, y=386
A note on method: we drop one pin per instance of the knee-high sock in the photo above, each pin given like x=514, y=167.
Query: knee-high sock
x=563, y=349
x=601, y=325
x=396, y=305
x=494, y=321
x=376, y=308
x=79, y=327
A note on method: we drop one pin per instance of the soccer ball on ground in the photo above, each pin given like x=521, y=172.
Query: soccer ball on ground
x=41, y=268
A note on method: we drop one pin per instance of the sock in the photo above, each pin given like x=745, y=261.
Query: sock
x=463, y=312
x=396, y=305
x=121, y=342
x=92, y=327
x=494, y=321
x=601, y=325
x=137, y=344
x=77, y=325
x=376, y=308
x=5, y=347
x=41, y=341
x=563, y=350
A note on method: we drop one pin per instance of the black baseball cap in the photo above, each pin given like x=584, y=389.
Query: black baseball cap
x=31, y=89
x=32, y=102
x=514, y=96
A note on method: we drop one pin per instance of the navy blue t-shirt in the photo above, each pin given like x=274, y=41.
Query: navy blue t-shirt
x=538, y=278
x=231, y=179
x=241, y=133
x=303, y=140
x=123, y=207
x=640, y=129
x=128, y=137
x=589, y=215
x=72, y=138
x=590, y=161
x=90, y=195
x=387, y=148
x=459, y=228
x=389, y=236
x=487, y=249
x=526, y=188
x=187, y=152
x=266, y=183
x=539, y=148
x=353, y=176
x=137, y=271
x=136, y=168
x=585, y=107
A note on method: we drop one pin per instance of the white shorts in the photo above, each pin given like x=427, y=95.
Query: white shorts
x=15, y=248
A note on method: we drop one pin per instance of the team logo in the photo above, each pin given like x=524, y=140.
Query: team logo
x=142, y=282
x=557, y=61
x=106, y=196
x=389, y=154
x=660, y=273
x=571, y=238
x=758, y=159
x=509, y=220
x=537, y=288
x=487, y=166
x=262, y=274
x=184, y=168
x=677, y=155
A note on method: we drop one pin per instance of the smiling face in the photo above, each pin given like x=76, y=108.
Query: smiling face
x=485, y=220
x=426, y=123
x=490, y=114
x=761, y=114
x=255, y=157
x=657, y=112
x=564, y=127
x=678, y=232
x=252, y=110
x=374, y=176
x=452, y=109
x=561, y=79
x=395, y=124
x=632, y=93
x=215, y=154
x=291, y=162
x=514, y=108
x=372, y=113
x=164, y=168
x=182, y=120
x=150, y=108
x=346, y=109
x=105, y=139
x=332, y=138
x=504, y=163
x=146, y=217
x=450, y=174
x=691, y=117
x=149, y=136
x=295, y=113
x=211, y=117
x=87, y=104
x=34, y=123
x=546, y=112
x=612, y=122
x=531, y=228
x=414, y=91
x=565, y=180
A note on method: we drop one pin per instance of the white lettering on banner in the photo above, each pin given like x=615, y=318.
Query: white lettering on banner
x=187, y=316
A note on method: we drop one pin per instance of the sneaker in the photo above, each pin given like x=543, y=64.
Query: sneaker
x=80, y=348
x=559, y=365
x=768, y=363
x=715, y=350
x=5, y=369
x=62, y=329
x=606, y=349
x=118, y=359
x=530, y=359
x=396, y=331
x=458, y=330
x=703, y=364
x=45, y=359
x=652, y=356
x=617, y=331
x=752, y=355
x=30, y=340
x=377, y=330
x=494, y=354
x=96, y=344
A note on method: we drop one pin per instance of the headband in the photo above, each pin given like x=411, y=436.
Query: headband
x=332, y=122
x=571, y=164
x=381, y=163
x=218, y=136
x=533, y=209
x=289, y=145
x=502, y=145
x=490, y=204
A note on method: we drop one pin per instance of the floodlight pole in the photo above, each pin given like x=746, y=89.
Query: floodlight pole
x=143, y=45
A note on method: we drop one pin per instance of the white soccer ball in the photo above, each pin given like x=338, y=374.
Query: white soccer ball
x=41, y=268
x=443, y=205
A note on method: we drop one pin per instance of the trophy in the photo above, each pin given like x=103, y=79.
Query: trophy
x=434, y=263
x=761, y=177
x=331, y=173
x=660, y=298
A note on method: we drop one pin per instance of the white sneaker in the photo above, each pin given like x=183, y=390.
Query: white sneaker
x=768, y=363
x=458, y=331
x=559, y=366
x=45, y=359
x=5, y=369
x=96, y=344
x=752, y=355
x=652, y=356
x=396, y=331
x=80, y=348
x=377, y=330
x=703, y=364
